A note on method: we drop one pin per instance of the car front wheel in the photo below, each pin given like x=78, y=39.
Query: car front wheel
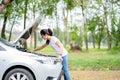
x=19, y=74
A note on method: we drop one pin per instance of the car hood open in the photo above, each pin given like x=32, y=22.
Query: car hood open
x=28, y=31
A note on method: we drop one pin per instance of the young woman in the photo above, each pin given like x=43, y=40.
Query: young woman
x=55, y=43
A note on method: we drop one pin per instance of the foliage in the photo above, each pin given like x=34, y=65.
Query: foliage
x=49, y=6
x=75, y=36
x=70, y=4
x=114, y=51
x=115, y=33
x=93, y=23
x=4, y=4
x=59, y=34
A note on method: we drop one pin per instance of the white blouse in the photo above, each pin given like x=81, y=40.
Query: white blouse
x=52, y=43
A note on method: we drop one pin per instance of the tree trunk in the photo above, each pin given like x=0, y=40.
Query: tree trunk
x=4, y=4
x=66, y=28
x=4, y=26
x=57, y=21
x=99, y=41
x=86, y=41
x=35, y=35
x=11, y=30
x=35, y=39
x=25, y=44
x=108, y=33
x=108, y=39
x=93, y=38
x=58, y=32
x=85, y=32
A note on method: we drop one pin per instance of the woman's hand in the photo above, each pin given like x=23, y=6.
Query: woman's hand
x=60, y=58
x=29, y=51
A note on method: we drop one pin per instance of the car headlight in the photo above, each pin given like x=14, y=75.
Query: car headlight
x=48, y=61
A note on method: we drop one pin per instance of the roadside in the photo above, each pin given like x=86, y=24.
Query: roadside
x=95, y=75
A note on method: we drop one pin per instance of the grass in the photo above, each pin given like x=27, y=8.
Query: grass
x=95, y=59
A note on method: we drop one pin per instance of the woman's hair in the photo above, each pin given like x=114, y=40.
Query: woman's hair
x=46, y=31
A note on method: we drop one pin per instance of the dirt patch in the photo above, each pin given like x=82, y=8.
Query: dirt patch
x=94, y=75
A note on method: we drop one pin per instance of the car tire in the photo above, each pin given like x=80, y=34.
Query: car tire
x=19, y=74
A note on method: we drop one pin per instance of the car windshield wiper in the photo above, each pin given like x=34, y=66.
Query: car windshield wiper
x=21, y=49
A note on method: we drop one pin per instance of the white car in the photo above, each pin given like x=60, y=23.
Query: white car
x=17, y=64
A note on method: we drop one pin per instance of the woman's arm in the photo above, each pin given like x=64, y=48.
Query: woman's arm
x=41, y=47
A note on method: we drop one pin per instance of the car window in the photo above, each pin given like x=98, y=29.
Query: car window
x=2, y=49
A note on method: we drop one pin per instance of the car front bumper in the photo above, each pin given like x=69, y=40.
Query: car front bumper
x=47, y=71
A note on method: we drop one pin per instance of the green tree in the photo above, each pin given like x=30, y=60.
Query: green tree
x=75, y=38
x=68, y=6
x=92, y=28
x=115, y=33
x=5, y=18
x=115, y=24
x=15, y=15
x=48, y=6
x=106, y=9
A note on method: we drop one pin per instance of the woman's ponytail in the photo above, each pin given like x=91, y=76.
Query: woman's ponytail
x=50, y=32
